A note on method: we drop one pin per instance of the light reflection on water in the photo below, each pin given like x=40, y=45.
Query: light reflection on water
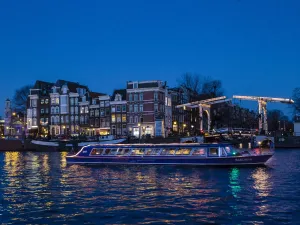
x=41, y=188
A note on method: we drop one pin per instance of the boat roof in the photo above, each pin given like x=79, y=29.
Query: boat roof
x=158, y=145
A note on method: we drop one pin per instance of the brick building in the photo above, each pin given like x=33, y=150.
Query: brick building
x=146, y=108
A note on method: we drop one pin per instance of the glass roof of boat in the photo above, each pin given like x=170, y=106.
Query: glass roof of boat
x=158, y=145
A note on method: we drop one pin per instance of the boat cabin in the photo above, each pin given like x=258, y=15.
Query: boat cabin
x=151, y=150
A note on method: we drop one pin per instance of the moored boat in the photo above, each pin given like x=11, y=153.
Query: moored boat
x=169, y=154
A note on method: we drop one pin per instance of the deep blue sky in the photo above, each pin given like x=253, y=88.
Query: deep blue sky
x=252, y=46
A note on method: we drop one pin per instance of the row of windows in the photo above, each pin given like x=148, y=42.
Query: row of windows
x=118, y=118
x=104, y=104
x=155, y=151
x=136, y=108
x=44, y=101
x=140, y=108
x=136, y=119
x=55, y=101
x=118, y=108
x=136, y=97
x=44, y=111
x=140, y=97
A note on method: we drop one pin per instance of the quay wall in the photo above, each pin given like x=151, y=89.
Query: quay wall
x=11, y=145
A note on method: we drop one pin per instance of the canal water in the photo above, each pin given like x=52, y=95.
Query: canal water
x=40, y=188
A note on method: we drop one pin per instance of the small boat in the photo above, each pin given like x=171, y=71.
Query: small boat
x=169, y=154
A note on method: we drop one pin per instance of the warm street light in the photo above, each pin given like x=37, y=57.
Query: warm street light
x=139, y=124
x=174, y=122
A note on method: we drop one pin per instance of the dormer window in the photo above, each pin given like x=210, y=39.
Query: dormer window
x=135, y=85
x=94, y=102
x=65, y=89
x=118, y=97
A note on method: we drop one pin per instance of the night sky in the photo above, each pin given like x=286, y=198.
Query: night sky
x=252, y=46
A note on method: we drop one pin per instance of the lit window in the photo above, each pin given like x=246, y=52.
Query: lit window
x=183, y=152
x=123, y=118
x=213, y=152
x=81, y=109
x=113, y=118
x=42, y=101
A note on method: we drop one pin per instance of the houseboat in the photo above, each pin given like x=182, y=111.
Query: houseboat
x=169, y=154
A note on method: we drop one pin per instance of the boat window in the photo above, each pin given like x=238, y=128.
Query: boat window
x=113, y=151
x=184, y=151
x=223, y=153
x=228, y=149
x=126, y=151
x=97, y=151
x=155, y=151
x=213, y=151
x=168, y=151
x=106, y=151
x=148, y=151
x=200, y=151
x=120, y=151
x=137, y=152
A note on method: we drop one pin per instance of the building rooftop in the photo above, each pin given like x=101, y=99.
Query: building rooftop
x=72, y=86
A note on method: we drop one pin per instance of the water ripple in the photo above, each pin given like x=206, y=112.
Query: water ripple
x=40, y=188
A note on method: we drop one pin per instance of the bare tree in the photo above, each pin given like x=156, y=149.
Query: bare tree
x=191, y=82
x=19, y=100
x=212, y=88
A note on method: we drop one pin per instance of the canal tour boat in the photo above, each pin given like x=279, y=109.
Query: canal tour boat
x=169, y=154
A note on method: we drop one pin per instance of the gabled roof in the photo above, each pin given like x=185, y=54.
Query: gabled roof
x=71, y=85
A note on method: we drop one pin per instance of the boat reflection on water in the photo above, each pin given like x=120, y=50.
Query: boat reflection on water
x=40, y=188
